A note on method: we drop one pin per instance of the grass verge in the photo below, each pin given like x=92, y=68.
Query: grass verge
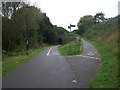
x=0, y=68
x=12, y=62
x=75, y=49
x=107, y=75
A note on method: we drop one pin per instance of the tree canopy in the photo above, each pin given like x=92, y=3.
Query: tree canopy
x=23, y=23
x=99, y=17
x=84, y=23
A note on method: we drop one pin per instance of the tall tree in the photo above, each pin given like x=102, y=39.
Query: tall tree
x=84, y=23
x=99, y=17
x=27, y=24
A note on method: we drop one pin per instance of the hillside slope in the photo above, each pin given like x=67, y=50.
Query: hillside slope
x=104, y=36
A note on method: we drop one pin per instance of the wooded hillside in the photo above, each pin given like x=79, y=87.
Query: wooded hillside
x=23, y=23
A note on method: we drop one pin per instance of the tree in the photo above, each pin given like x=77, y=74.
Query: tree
x=9, y=8
x=84, y=23
x=99, y=17
x=21, y=24
x=59, y=34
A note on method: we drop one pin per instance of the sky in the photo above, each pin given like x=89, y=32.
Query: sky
x=64, y=12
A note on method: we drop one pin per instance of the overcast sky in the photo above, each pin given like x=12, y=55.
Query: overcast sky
x=64, y=12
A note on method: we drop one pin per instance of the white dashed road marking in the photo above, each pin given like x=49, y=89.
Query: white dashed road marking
x=90, y=53
x=88, y=57
x=53, y=52
x=74, y=81
x=56, y=54
x=49, y=51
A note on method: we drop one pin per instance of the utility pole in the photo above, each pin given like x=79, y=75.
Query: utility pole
x=26, y=36
x=70, y=35
x=70, y=40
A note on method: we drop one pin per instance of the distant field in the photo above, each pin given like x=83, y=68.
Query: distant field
x=75, y=49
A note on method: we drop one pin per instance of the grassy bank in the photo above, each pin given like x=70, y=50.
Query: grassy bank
x=10, y=63
x=0, y=68
x=107, y=75
x=75, y=49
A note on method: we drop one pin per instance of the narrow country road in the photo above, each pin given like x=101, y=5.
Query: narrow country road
x=49, y=69
x=84, y=66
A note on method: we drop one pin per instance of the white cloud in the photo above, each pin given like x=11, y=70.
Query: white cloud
x=64, y=12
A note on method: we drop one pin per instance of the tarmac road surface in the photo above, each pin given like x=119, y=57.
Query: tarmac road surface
x=49, y=69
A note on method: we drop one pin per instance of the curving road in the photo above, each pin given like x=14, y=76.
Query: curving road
x=49, y=69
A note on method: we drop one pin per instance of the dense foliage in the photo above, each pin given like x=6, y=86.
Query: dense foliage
x=84, y=23
x=105, y=32
x=104, y=35
x=22, y=23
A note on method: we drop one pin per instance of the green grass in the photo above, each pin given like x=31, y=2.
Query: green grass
x=12, y=62
x=0, y=68
x=107, y=75
x=75, y=49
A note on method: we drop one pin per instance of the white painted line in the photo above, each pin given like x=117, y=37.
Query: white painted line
x=56, y=54
x=83, y=56
x=90, y=53
x=97, y=58
x=88, y=57
x=74, y=81
x=49, y=51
